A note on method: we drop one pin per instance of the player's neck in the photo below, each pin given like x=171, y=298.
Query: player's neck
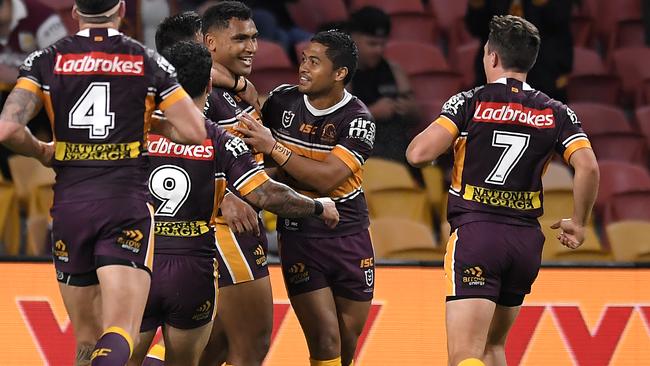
x=521, y=76
x=114, y=25
x=326, y=100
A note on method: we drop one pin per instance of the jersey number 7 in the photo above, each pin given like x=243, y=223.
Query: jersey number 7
x=514, y=145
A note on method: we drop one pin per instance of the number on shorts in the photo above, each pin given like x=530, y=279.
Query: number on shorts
x=514, y=145
x=171, y=185
x=91, y=111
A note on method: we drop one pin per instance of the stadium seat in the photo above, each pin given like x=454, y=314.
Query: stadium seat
x=558, y=203
x=429, y=111
x=557, y=177
x=590, y=251
x=632, y=65
x=599, y=119
x=643, y=94
x=618, y=177
x=380, y=174
x=449, y=13
x=390, y=6
x=270, y=55
x=9, y=218
x=594, y=88
x=582, y=29
x=629, y=240
x=587, y=62
x=462, y=61
x=416, y=57
x=395, y=238
x=267, y=80
x=622, y=146
x=628, y=33
x=434, y=185
x=37, y=235
x=406, y=203
x=28, y=174
x=610, y=13
x=624, y=206
x=642, y=116
x=311, y=14
x=435, y=85
x=418, y=27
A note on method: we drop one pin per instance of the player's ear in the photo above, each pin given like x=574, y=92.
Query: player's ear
x=122, y=9
x=341, y=73
x=210, y=41
x=495, y=60
x=74, y=14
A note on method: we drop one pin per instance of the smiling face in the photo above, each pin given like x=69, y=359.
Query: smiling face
x=317, y=74
x=235, y=46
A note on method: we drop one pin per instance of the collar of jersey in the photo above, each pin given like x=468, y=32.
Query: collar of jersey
x=18, y=13
x=504, y=81
x=323, y=112
x=86, y=32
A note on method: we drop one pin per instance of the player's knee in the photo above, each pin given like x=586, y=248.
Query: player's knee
x=325, y=344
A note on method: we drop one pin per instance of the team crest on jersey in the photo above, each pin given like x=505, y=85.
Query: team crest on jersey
x=229, y=99
x=29, y=61
x=287, y=118
x=370, y=276
x=329, y=133
x=453, y=104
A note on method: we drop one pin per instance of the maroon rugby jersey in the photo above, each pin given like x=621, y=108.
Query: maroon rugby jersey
x=346, y=130
x=99, y=89
x=506, y=134
x=188, y=181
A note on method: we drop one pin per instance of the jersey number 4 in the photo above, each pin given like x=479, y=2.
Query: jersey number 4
x=91, y=111
x=171, y=185
x=514, y=145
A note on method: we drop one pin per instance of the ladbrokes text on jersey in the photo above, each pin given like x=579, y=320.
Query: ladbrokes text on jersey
x=99, y=63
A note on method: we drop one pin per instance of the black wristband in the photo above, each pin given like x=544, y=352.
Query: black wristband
x=234, y=88
x=318, y=208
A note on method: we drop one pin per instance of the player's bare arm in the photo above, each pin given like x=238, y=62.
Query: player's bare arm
x=240, y=216
x=585, y=189
x=187, y=122
x=322, y=176
x=21, y=106
x=284, y=201
x=428, y=145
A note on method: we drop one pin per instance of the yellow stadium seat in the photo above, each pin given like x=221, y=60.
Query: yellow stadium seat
x=31, y=179
x=379, y=174
x=590, y=251
x=434, y=184
x=558, y=204
x=407, y=203
x=37, y=230
x=557, y=177
x=630, y=240
x=9, y=219
x=398, y=238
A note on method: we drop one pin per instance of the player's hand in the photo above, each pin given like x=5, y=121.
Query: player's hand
x=250, y=95
x=239, y=215
x=255, y=135
x=571, y=234
x=46, y=154
x=383, y=108
x=330, y=214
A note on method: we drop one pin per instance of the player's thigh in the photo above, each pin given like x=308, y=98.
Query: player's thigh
x=242, y=257
x=141, y=348
x=246, y=312
x=83, y=304
x=468, y=322
x=184, y=346
x=503, y=319
x=317, y=314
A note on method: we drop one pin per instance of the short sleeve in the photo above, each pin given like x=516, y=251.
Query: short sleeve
x=168, y=90
x=571, y=137
x=30, y=75
x=454, y=114
x=236, y=162
x=355, y=142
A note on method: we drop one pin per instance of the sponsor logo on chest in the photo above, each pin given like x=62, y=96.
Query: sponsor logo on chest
x=161, y=146
x=99, y=63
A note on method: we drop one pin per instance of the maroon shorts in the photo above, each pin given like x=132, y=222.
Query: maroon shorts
x=346, y=264
x=117, y=229
x=494, y=261
x=183, y=292
x=241, y=258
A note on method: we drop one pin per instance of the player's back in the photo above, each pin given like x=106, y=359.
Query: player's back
x=507, y=134
x=99, y=89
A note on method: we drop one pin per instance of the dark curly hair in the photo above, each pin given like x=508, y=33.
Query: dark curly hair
x=193, y=64
x=341, y=50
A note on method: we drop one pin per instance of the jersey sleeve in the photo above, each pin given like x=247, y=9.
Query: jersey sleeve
x=455, y=111
x=571, y=137
x=30, y=73
x=355, y=142
x=167, y=89
x=235, y=161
